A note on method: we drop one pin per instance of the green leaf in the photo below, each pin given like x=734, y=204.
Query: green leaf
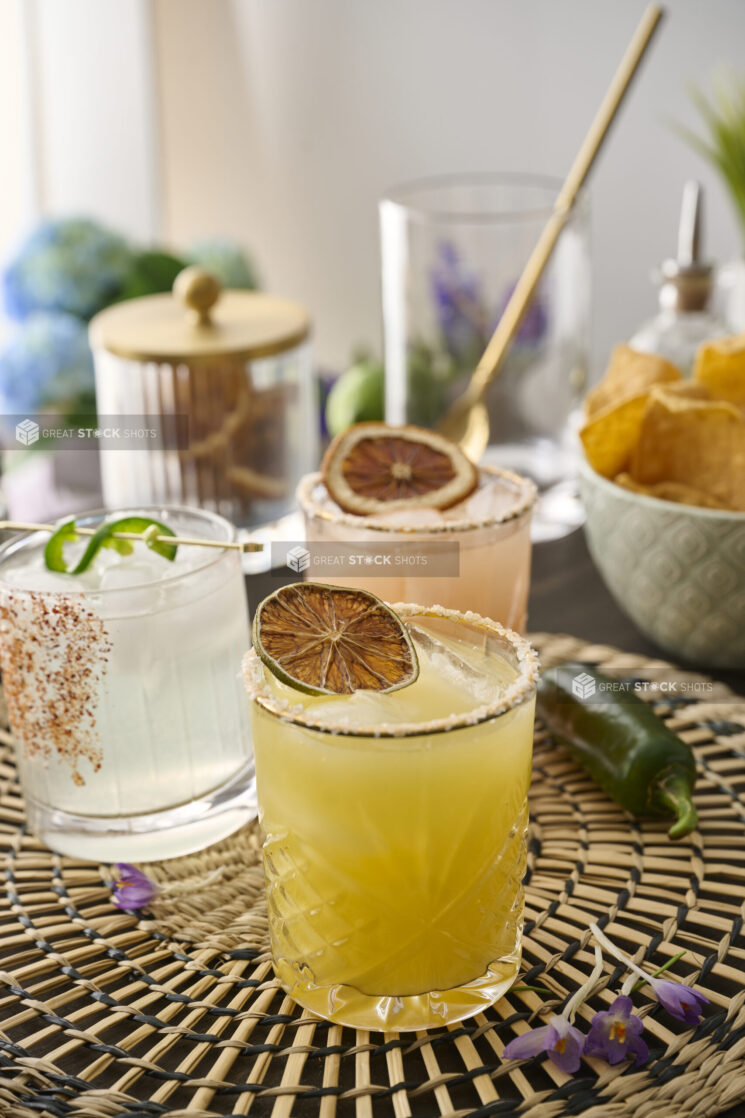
x=722, y=144
x=665, y=966
x=152, y=273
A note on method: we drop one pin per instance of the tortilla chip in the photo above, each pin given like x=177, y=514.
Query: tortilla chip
x=696, y=443
x=684, y=388
x=720, y=365
x=671, y=491
x=629, y=374
x=611, y=435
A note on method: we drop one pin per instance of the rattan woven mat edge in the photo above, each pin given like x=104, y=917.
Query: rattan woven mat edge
x=177, y=1013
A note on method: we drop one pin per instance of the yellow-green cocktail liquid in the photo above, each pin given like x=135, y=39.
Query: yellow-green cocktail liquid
x=394, y=864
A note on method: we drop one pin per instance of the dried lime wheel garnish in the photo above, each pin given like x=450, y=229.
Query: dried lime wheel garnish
x=330, y=640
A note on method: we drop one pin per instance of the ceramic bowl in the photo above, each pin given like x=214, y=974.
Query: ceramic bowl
x=676, y=570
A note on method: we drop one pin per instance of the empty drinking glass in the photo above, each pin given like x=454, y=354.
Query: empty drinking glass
x=453, y=249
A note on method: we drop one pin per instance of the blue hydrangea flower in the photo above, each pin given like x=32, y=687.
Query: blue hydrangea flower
x=48, y=362
x=226, y=260
x=67, y=264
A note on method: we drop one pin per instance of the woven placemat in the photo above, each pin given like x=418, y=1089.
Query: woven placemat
x=105, y=1015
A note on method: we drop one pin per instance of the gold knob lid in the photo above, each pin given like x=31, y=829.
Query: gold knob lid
x=200, y=321
x=198, y=291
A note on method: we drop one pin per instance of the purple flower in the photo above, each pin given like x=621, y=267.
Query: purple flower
x=563, y=1043
x=615, y=1034
x=535, y=322
x=681, y=1001
x=132, y=888
x=459, y=303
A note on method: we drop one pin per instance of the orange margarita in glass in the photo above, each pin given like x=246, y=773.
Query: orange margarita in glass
x=490, y=529
x=402, y=512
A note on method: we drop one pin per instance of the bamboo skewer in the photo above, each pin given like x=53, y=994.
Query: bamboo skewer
x=178, y=541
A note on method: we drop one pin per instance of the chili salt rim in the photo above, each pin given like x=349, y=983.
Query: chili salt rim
x=521, y=688
x=524, y=501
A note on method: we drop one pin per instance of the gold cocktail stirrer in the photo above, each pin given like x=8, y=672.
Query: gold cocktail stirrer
x=467, y=421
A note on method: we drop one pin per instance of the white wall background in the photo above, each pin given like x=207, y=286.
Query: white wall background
x=17, y=155
x=78, y=116
x=96, y=111
x=281, y=122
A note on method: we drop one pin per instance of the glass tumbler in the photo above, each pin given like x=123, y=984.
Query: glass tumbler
x=395, y=853
x=132, y=736
x=490, y=532
x=452, y=250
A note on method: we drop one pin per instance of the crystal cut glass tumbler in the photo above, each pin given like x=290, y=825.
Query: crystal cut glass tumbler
x=395, y=829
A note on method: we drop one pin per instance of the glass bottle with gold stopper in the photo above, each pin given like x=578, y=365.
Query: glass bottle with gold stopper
x=684, y=319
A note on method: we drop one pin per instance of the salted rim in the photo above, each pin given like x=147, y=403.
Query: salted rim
x=524, y=500
x=517, y=693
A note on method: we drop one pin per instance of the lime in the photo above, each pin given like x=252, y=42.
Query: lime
x=359, y=394
x=330, y=640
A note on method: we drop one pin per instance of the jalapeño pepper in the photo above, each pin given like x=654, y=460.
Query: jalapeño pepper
x=621, y=742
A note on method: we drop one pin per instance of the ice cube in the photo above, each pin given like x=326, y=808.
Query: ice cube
x=368, y=708
x=410, y=518
x=136, y=593
x=462, y=673
x=492, y=500
x=119, y=576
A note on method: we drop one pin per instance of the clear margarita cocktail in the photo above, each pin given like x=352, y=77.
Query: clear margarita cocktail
x=132, y=735
x=395, y=828
x=491, y=527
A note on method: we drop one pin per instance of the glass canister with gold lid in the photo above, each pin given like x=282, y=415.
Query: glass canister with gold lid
x=219, y=384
